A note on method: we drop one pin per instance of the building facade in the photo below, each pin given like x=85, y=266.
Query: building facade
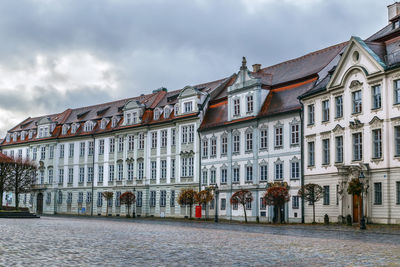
x=352, y=130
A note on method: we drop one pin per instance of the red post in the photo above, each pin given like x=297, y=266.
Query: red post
x=198, y=211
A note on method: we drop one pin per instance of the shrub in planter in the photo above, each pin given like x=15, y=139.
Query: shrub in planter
x=349, y=220
x=326, y=219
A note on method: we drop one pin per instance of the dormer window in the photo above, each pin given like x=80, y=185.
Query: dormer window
x=250, y=104
x=396, y=24
x=43, y=131
x=89, y=125
x=188, y=107
x=157, y=114
x=8, y=138
x=30, y=134
x=167, y=112
x=103, y=123
x=236, y=107
x=52, y=127
x=176, y=109
x=114, y=121
x=128, y=118
x=65, y=128
x=134, y=117
x=23, y=134
x=74, y=127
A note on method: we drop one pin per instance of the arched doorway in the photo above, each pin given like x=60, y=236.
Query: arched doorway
x=39, y=204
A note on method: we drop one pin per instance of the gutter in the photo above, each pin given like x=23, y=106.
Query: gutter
x=302, y=158
x=94, y=154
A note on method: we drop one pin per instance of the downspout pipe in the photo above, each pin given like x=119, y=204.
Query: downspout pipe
x=94, y=154
x=302, y=157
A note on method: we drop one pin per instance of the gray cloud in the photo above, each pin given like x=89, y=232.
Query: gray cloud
x=171, y=43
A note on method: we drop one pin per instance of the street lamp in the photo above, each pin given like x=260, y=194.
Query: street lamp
x=362, y=221
x=216, y=192
x=134, y=204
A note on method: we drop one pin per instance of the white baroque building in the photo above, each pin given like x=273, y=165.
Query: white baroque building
x=352, y=129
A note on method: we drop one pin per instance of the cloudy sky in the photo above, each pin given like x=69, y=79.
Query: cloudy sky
x=59, y=54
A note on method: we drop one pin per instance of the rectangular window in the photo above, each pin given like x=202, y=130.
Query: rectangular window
x=99, y=199
x=325, y=110
x=236, y=175
x=172, y=199
x=295, y=202
x=154, y=140
x=377, y=143
x=130, y=171
x=80, y=197
x=377, y=193
x=173, y=136
x=311, y=154
x=263, y=173
x=50, y=176
x=236, y=143
x=376, y=97
x=101, y=147
x=163, y=174
x=141, y=141
x=81, y=175
x=205, y=148
x=111, y=169
x=205, y=177
x=357, y=102
x=263, y=204
x=235, y=206
x=249, y=141
x=223, y=203
x=278, y=171
x=264, y=139
x=213, y=177
x=152, y=198
x=91, y=148
x=184, y=134
x=70, y=175
x=164, y=138
x=295, y=170
x=100, y=173
x=139, y=200
x=61, y=152
x=249, y=174
x=236, y=107
x=224, y=176
x=163, y=198
x=120, y=144
x=326, y=195
x=294, y=134
x=117, y=199
x=397, y=92
x=250, y=104
x=325, y=152
x=131, y=142
x=120, y=171
x=339, y=149
x=112, y=145
x=224, y=145
x=213, y=147
x=60, y=176
x=398, y=193
x=397, y=140
x=90, y=174
x=81, y=149
x=42, y=153
x=357, y=146
x=248, y=204
x=188, y=107
x=140, y=170
x=278, y=136
x=172, y=168
x=71, y=150
x=191, y=134
x=153, y=169
x=339, y=106
x=69, y=198
x=311, y=119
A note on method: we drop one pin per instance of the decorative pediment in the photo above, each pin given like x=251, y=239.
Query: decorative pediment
x=356, y=124
x=188, y=91
x=189, y=153
x=45, y=120
x=133, y=104
x=244, y=79
x=130, y=159
x=396, y=121
x=376, y=121
x=295, y=159
x=355, y=84
x=263, y=162
x=338, y=129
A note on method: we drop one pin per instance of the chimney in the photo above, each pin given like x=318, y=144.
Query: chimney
x=256, y=67
x=393, y=11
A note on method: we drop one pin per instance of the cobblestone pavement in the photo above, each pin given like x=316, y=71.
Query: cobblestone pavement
x=59, y=241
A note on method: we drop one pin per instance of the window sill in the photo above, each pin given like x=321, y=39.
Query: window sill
x=310, y=124
x=376, y=109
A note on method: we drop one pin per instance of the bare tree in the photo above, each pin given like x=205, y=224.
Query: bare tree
x=311, y=193
x=23, y=177
x=5, y=174
x=128, y=198
x=107, y=195
x=243, y=196
x=187, y=197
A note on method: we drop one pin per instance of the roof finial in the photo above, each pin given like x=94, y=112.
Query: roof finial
x=244, y=62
